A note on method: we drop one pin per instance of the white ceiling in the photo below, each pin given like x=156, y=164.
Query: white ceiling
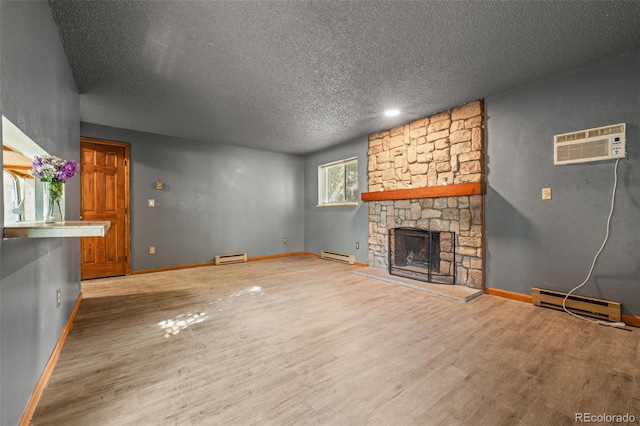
x=299, y=76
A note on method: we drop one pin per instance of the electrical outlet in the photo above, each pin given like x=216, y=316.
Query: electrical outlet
x=357, y=245
x=58, y=298
x=152, y=249
x=546, y=193
x=151, y=202
x=284, y=240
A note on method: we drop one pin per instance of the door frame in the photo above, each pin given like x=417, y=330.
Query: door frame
x=127, y=200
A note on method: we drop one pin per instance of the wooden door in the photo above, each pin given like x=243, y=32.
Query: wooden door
x=104, y=188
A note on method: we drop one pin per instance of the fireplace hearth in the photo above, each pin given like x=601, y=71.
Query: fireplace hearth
x=423, y=255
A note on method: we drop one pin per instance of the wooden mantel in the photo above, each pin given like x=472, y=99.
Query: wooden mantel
x=460, y=189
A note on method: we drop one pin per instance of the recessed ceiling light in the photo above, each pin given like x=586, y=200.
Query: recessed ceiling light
x=392, y=112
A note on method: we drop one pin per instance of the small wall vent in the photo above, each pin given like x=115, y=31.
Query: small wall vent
x=600, y=143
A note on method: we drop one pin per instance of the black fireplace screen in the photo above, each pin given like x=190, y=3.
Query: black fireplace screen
x=423, y=255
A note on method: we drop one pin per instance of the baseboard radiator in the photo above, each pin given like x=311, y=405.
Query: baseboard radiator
x=581, y=305
x=339, y=257
x=230, y=258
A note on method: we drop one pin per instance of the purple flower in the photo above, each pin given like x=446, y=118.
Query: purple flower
x=49, y=168
x=68, y=170
x=37, y=161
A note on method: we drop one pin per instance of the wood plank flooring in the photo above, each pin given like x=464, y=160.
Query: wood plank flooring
x=302, y=340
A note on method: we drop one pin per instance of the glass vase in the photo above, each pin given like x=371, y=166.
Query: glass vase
x=52, y=193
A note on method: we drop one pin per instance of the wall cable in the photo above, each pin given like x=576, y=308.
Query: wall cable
x=595, y=258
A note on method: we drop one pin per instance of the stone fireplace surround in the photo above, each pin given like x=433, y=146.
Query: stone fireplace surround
x=434, y=159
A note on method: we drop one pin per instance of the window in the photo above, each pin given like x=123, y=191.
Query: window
x=338, y=183
x=19, y=196
x=19, y=186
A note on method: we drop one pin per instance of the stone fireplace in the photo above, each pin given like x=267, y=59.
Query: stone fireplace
x=428, y=175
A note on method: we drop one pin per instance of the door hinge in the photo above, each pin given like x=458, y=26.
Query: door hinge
x=125, y=163
x=125, y=210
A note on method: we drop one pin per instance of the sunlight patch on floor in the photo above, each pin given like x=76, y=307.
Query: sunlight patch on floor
x=177, y=324
x=251, y=291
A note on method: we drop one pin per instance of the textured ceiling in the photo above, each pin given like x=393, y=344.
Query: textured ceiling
x=299, y=76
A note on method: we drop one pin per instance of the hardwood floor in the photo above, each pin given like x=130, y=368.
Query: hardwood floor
x=302, y=340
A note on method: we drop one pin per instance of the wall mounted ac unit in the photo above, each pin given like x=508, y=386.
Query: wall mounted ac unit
x=601, y=143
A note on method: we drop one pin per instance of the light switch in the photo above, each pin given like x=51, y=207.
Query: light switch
x=546, y=193
x=152, y=202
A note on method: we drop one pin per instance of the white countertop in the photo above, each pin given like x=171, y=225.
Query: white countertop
x=56, y=230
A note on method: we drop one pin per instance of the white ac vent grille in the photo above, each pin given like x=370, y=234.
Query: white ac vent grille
x=601, y=143
x=584, y=150
x=340, y=257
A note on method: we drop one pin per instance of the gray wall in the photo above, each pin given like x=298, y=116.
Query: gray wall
x=40, y=97
x=1, y=225
x=336, y=228
x=218, y=199
x=551, y=244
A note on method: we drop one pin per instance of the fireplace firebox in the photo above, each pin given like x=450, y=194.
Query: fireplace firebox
x=422, y=255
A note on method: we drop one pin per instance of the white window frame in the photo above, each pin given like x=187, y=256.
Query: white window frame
x=323, y=186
